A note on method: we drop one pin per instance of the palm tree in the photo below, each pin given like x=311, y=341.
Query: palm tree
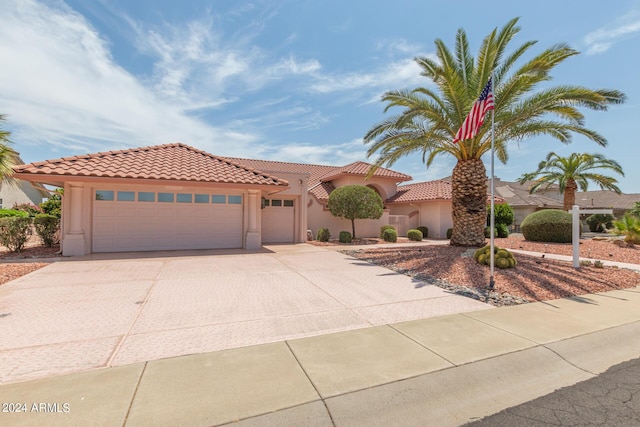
x=571, y=173
x=7, y=154
x=431, y=116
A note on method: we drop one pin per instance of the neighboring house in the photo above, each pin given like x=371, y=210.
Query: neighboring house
x=19, y=192
x=518, y=197
x=174, y=196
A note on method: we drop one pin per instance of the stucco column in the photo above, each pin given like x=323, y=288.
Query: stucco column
x=254, y=239
x=74, y=243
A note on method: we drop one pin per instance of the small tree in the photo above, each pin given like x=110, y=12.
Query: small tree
x=355, y=202
x=503, y=215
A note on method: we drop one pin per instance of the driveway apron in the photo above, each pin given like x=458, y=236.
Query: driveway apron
x=111, y=310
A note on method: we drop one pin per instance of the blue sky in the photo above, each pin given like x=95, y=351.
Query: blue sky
x=295, y=81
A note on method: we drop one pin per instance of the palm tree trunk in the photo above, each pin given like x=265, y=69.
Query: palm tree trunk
x=469, y=203
x=570, y=194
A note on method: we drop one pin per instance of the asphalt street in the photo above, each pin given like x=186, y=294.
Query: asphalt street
x=610, y=399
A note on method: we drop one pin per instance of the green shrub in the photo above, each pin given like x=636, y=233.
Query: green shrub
x=390, y=235
x=487, y=232
x=48, y=229
x=14, y=232
x=52, y=206
x=344, y=237
x=503, y=214
x=424, y=230
x=599, y=223
x=29, y=208
x=7, y=213
x=323, y=235
x=548, y=225
x=502, y=231
x=415, y=235
x=449, y=233
x=385, y=227
x=502, y=258
x=628, y=226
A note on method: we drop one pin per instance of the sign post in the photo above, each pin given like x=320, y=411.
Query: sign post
x=575, y=230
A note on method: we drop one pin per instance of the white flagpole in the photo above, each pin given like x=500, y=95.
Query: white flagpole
x=493, y=219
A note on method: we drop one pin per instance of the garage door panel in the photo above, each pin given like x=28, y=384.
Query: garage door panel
x=148, y=226
x=278, y=223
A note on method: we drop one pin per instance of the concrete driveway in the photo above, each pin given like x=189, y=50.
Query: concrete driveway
x=117, y=309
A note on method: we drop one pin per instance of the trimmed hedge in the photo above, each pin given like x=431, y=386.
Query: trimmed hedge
x=8, y=213
x=415, y=235
x=48, y=229
x=386, y=227
x=424, y=230
x=14, y=232
x=344, y=237
x=503, y=231
x=390, y=235
x=487, y=232
x=323, y=235
x=547, y=225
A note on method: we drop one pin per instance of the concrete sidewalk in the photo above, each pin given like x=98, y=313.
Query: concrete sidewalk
x=439, y=371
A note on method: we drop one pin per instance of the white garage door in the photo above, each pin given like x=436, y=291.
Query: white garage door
x=150, y=221
x=278, y=221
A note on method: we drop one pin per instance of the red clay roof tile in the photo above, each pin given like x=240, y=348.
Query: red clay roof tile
x=176, y=161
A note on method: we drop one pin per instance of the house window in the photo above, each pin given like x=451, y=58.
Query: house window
x=146, y=196
x=165, y=197
x=1, y=204
x=184, y=198
x=235, y=200
x=276, y=202
x=104, y=195
x=202, y=198
x=288, y=203
x=219, y=199
x=126, y=196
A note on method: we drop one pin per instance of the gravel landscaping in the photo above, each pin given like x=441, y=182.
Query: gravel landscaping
x=534, y=278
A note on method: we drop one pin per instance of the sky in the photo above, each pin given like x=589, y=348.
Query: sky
x=295, y=81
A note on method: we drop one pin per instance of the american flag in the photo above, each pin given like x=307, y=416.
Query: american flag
x=474, y=120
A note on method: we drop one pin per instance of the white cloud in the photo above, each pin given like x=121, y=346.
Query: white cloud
x=403, y=73
x=60, y=85
x=327, y=154
x=603, y=38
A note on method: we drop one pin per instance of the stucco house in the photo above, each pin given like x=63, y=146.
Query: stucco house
x=174, y=196
x=19, y=192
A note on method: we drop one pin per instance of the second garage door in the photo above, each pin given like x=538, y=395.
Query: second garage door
x=149, y=220
x=278, y=221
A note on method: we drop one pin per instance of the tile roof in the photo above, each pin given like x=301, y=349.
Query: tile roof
x=320, y=175
x=428, y=190
x=606, y=199
x=172, y=162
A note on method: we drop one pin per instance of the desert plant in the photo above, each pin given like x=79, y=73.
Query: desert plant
x=502, y=231
x=48, y=229
x=385, y=227
x=598, y=264
x=390, y=235
x=526, y=105
x=355, y=202
x=599, y=223
x=323, y=235
x=415, y=235
x=449, y=233
x=547, y=225
x=502, y=257
x=424, y=230
x=344, y=237
x=4, y=213
x=487, y=232
x=635, y=210
x=14, y=232
x=629, y=227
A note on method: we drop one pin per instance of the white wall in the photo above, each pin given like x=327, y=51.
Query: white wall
x=435, y=215
x=319, y=217
x=21, y=192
